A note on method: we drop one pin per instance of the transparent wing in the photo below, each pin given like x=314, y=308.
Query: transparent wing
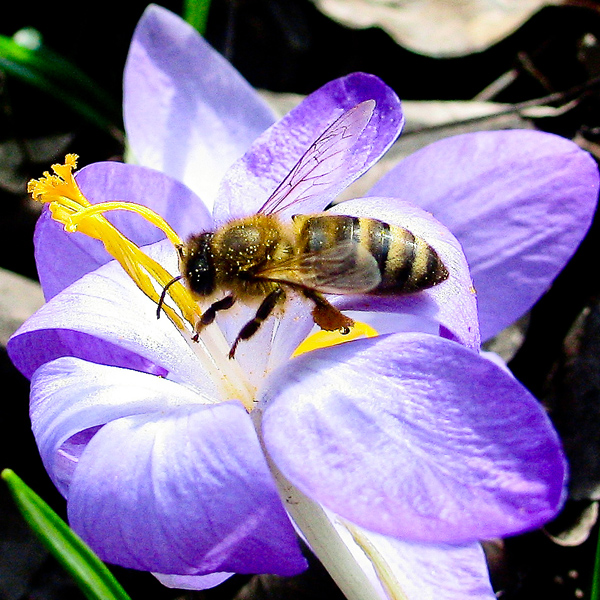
x=324, y=163
x=347, y=268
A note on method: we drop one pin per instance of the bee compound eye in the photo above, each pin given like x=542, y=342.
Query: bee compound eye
x=199, y=267
x=201, y=278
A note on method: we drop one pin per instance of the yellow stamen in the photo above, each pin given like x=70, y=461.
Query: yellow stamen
x=144, y=211
x=324, y=339
x=70, y=207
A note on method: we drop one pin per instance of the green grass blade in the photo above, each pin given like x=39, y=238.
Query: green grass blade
x=595, y=593
x=195, y=12
x=44, y=60
x=89, y=572
x=48, y=71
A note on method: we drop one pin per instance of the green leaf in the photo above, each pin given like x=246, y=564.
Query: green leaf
x=89, y=572
x=195, y=12
x=44, y=69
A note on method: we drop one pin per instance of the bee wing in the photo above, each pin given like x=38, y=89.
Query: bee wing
x=318, y=167
x=346, y=268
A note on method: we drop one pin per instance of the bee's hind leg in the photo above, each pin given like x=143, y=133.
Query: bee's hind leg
x=327, y=316
x=264, y=310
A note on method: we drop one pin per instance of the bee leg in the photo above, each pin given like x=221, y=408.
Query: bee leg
x=264, y=310
x=208, y=316
x=327, y=316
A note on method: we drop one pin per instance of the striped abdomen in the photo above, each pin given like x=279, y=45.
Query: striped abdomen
x=407, y=263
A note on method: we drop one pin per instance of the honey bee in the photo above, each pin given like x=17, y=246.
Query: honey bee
x=262, y=257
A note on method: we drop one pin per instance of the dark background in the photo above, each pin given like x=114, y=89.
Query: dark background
x=288, y=46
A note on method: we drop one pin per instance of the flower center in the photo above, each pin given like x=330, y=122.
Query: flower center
x=70, y=207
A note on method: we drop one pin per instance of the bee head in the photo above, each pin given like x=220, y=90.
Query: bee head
x=197, y=264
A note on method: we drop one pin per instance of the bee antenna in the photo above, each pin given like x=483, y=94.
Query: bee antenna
x=164, y=294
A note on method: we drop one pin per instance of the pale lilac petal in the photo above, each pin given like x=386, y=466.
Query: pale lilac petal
x=62, y=257
x=192, y=582
x=276, y=339
x=416, y=437
x=520, y=202
x=418, y=571
x=251, y=180
x=394, y=322
x=188, y=112
x=70, y=396
x=105, y=318
x=435, y=572
x=451, y=304
x=182, y=491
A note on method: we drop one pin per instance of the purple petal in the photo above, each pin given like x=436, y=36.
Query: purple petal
x=520, y=202
x=185, y=491
x=251, y=180
x=62, y=257
x=71, y=398
x=188, y=112
x=451, y=304
x=416, y=437
x=176, y=203
x=105, y=318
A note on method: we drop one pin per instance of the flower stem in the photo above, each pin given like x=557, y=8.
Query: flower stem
x=327, y=544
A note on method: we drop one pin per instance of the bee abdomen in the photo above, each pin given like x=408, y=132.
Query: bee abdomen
x=321, y=232
x=407, y=263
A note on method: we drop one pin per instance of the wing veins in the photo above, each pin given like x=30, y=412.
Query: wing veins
x=317, y=167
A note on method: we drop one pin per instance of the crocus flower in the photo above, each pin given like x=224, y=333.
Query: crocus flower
x=408, y=445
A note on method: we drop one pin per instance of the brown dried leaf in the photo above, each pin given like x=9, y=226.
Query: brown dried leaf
x=19, y=299
x=574, y=399
x=574, y=525
x=441, y=28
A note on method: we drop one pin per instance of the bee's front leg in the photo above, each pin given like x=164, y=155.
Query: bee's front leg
x=208, y=316
x=264, y=310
